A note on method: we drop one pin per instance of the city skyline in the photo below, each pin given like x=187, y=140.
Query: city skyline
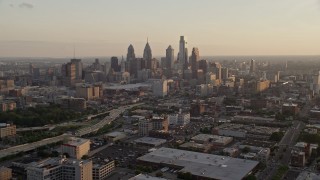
x=287, y=27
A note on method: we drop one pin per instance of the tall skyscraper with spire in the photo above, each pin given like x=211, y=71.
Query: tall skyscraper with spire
x=130, y=55
x=147, y=55
x=169, y=57
x=195, y=56
x=183, y=53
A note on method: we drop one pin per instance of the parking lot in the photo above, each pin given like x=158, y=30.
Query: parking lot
x=123, y=155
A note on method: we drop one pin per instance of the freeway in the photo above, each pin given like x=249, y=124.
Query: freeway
x=113, y=115
x=30, y=146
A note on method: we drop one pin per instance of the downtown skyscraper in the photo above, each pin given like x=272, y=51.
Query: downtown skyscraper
x=183, y=53
x=194, y=58
x=169, y=57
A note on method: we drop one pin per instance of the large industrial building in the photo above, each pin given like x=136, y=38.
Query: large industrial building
x=200, y=165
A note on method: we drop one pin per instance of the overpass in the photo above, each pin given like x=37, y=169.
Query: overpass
x=113, y=115
x=31, y=146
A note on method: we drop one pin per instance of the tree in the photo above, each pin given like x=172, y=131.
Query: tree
x=159, y=174
x=251, y=177
x=246, y=149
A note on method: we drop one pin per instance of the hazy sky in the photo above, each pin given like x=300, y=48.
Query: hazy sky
x=49, y=28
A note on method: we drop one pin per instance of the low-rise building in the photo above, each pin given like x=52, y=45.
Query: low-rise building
x=7, y=106
x=244, y=131
x=290, y=109
x=60, y=168
x=5, y=173
x=212, y=139
x=200, y=165
x=150, y=142
x=7, y=130
x=298, y=158
x=101, y=169
x=115, y=136
x=76, y=147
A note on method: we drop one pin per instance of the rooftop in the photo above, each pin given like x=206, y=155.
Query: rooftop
x=74, y=141
x=53, y=162
x=212, y=138
x=150, y=140
x=145, y=177
x=115, y=134
x=201, y=164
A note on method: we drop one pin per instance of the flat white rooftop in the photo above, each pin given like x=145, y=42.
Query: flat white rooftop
x=201, y=164
x=145, y=177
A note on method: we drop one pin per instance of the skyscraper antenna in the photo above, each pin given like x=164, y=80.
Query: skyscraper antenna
x=147, y=39
x=74, y=51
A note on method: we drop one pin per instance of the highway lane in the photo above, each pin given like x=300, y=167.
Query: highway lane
x=30, y=146
x=114, y=114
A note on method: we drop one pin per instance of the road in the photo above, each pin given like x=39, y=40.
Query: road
x=113, y=115
x=30, y=146
x=282, y=156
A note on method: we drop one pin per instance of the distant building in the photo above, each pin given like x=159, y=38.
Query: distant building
x=169, y=57
x=130, y=55
x=145, y=126
x=6, y=85
x=252, y=66
x=77, y=104
x=7, y=106
x=76, y=147
x=7, y=130
x=60, y=168
x=160, y=88
x=78, y=69
x=5, y=173
x=115, y=64
x=88, y=92
x=194, y=58
x=183, y=53
x=224, y=73
x=160, y=123
x=216, y=69
x=68, y=72
x=212, y=139
x=290, y=109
